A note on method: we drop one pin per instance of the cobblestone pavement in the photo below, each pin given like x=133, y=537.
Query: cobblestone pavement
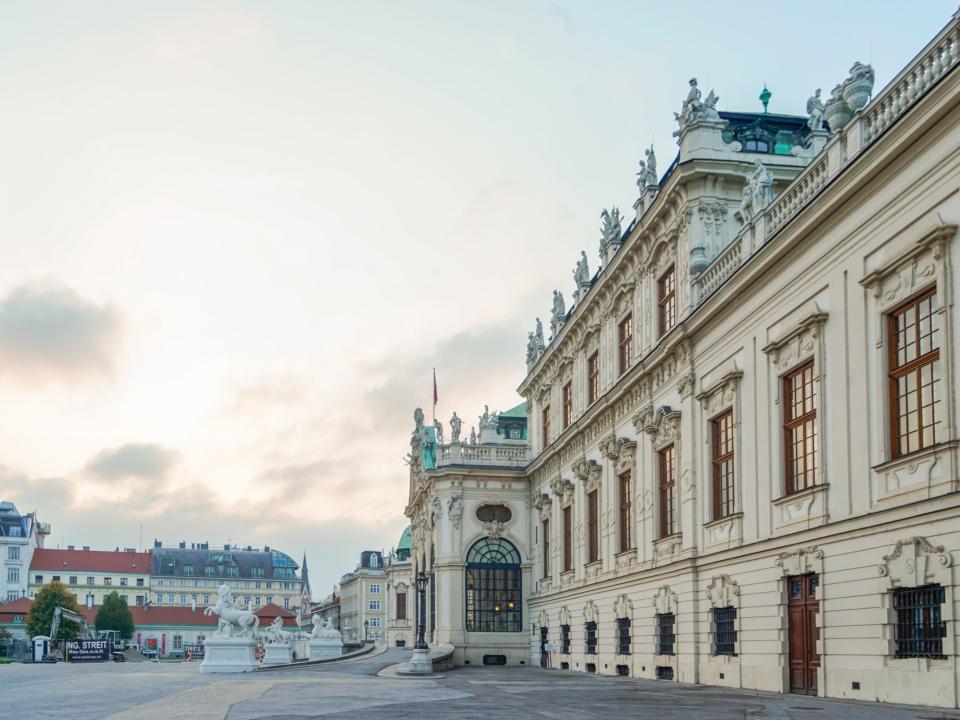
x=148, y=691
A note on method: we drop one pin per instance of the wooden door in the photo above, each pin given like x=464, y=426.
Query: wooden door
x=802, y=609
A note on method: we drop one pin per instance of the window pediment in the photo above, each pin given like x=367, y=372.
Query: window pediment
x=914, y=562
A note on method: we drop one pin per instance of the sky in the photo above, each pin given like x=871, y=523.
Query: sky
x=236, y=237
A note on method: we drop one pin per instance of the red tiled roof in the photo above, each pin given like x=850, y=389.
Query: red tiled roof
x=271, y=610
x=160, y=615
x=90, y=561
x=20, y=606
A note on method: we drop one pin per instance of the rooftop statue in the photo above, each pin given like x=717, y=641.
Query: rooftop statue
x=642, y=177
x=652, y=178
x=455, y=424
x=531, y=350
x=581, y=274
x=473, y=435
x=538, y=337
x=559, y=313
x=438, y=428
x=230, y=618
x=815, y=110
x=696, y=110
x=858, y=87
x=610, y=230
x=757, y=193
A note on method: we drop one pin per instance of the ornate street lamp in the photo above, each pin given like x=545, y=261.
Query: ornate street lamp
x=420, y=663
x=366, y=627
x=422, y=581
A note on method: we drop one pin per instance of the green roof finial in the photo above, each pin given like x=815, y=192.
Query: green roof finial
x=765, y=96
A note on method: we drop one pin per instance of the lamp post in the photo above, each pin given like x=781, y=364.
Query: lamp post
x=366, y=627
x=420, y=663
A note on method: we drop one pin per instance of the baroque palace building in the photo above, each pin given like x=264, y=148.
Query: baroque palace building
x=740, y=459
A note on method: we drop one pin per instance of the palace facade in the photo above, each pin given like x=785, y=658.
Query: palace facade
x=739, y=462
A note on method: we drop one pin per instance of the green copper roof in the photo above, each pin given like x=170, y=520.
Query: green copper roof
x=519, y=411
x=404, y=543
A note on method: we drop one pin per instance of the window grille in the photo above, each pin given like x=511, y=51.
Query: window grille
x=725, y=633
x=920, y=629
x=565, y=639
x=665, y=634
x=623, y=636
x=590, y=631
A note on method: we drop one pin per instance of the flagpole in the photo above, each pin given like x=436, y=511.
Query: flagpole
x=433, y=413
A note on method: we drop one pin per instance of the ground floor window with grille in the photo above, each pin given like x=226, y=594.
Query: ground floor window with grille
x=493, y=587
x=920, y=629
x=623, y=636
x=565, y=639
x=590, y=636
x=724, y=631
x=665, y=634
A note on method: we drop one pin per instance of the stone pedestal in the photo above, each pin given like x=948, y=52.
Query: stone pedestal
x=277, y=654
x=420, y=663
x=229, y=655
x=323, y=648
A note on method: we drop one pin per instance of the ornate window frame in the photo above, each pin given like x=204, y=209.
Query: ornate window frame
x=923, y=263
x=623, y=609
x=665, y=601
x=800, y=344
x=723, y=592
x=915, y=562
x=802, y=561
x=717, y=398
x=663, y=427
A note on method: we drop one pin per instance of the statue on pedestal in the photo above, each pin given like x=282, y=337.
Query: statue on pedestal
x=231, y=619
x=696, y=110
x=455, y=423
x=815, y=110
x=438, y=429
x=581, y=274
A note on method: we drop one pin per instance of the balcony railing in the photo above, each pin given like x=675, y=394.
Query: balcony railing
x=938, y=58
x=487, y=455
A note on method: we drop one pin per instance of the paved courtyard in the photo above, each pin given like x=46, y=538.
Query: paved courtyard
x=148, y=691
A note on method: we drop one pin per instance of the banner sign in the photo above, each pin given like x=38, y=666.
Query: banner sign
x=196, y=651
x=88, y=650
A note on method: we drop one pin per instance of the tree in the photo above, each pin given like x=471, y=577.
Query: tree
x=115, y=615
x=5, y=634
x=48, y=598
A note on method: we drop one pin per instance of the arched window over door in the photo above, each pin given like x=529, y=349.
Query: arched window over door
x=493, y=587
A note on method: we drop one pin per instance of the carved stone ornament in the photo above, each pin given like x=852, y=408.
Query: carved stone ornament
x=667, y=548
x=590, y=612
x=723, y=592
x=800, y=561
x=799, y=344
x=623, y=607
x=627, y=457
x=564, y=615
x=664, y=427
x=913, y=269
x=610, y=447
x=563, y=489
x=581, y=469
x=594, y=475
x=544, y=619
x=436, y=511
x=494, y=529
x=914, y=562
x=665, y=601
x=455, y=510
x=720, y=395
x=643, y=418
x=543, y=503
x=686, y=385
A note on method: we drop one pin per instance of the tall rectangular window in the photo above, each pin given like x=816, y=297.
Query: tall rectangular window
x=667, y=300
x=401, y=606
x=626, y=511
x=590, y=637
x=546, y=548
x=593, y=527
x=13, y=575
x=567, y=405
x=722, y=449
x=799, y=429
x=593, y=378
x=13, y=552
x=667, y=482
x=724, y=631
x=665, y=634
x=920, y=629
x=546, y=425
x=565, y=639
x=626, y=343
x=623, y=636
x=567, y=538
x=915, y=379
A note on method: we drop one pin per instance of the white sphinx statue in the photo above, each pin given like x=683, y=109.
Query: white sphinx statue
x=325, y=640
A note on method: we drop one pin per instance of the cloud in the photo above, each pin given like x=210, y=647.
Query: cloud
x=48, y=333
x=134, y=460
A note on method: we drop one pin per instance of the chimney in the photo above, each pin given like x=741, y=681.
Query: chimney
x=126, y=549
x=157, y=544
x=183, y=545
x=266, y=548
x=86, y=548
x=70, y=547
